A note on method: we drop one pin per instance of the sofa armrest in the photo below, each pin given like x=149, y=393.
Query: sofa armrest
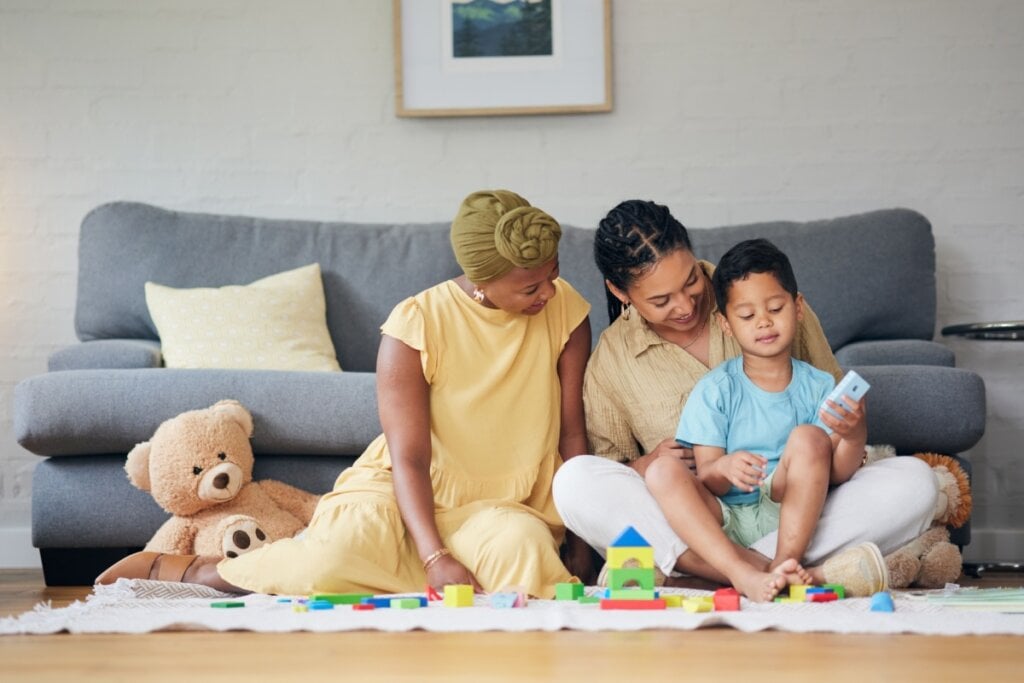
x=895, y=352
x=924, y=408
x=107, y=353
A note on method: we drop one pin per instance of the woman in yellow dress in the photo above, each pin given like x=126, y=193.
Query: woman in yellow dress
x=479, y=383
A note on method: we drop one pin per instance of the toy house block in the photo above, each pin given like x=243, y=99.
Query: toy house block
x=632, y=548
x=726, y=600
x=624, y=577
x=633, y=604
x=459, y=595
x=568, y=591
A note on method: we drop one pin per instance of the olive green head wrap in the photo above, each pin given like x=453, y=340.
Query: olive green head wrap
x=497, y=230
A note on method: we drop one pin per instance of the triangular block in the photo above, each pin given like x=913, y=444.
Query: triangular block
x=629, y=538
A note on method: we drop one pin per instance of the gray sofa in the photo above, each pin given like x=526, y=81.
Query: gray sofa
x=870, y=277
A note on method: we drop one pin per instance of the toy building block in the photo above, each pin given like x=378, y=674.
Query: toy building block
x=798, y=592
x=364, y=607
x=630, y=547
x=726, y=600
x=673, y=600
x=788, y=601
x=622, y=577
x=320, y=604
x=697, y=605
x=633, y=604
x=588, y=599
x=504, y=600
x=822, y=597
x=300, y=607
x=458, y=595
x=433, y=594
x=882, y=602
x=408, y=603
x=341, y=598
x=631, y=594
x=381, y=603
x=227, y=604
x=568, y=591
x=837, y=589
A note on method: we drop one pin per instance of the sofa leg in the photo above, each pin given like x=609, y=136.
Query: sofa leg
x=78, y=566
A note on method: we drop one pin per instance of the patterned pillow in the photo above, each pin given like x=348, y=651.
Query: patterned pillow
x=276, y=323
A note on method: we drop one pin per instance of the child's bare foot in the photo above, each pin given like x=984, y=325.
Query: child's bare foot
x=792, y=571
x=758, y=586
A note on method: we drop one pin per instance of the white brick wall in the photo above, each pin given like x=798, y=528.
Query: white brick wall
x=728, y=111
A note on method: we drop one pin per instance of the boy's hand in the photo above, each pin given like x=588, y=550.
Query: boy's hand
x=667, y=448
x=852, y=422
x=745, y=470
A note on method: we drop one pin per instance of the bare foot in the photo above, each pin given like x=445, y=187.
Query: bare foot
x=793, y=572
x=758, y=586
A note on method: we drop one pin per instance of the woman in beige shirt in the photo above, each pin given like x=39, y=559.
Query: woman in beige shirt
x=663, y=338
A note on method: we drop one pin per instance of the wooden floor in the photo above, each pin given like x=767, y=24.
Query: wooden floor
x=647, y=656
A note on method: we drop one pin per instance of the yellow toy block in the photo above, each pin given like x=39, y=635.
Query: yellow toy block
x=622, y=577
x=698, y=605
x=673, y=600
x=798, y=592
x=460, y=595
x=618, y=556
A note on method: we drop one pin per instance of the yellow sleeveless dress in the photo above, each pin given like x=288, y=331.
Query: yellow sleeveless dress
x=494, y=411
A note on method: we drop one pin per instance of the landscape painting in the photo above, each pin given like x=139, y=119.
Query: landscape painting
x=501, y=28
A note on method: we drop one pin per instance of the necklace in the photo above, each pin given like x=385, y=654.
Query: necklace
x=699, y=335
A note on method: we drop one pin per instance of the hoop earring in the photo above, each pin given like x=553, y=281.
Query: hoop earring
x=478, y=295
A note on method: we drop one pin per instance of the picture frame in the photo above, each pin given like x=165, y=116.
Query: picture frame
x=473, y=58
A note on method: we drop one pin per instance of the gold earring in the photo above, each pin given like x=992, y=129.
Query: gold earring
x=478, y=294
x=626, y=308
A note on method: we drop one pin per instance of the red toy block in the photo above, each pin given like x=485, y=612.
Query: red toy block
x=822, y=597
x=727, y=600
x=659, y=603
x=364, y=607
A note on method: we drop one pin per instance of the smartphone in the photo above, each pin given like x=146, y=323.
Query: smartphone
x=852, y=385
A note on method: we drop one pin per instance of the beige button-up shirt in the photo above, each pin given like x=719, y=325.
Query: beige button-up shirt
x=636, y=383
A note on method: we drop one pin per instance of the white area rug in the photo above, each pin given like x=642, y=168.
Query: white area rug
x=136, y=606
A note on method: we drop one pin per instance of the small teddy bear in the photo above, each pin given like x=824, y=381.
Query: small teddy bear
x=198, y=467
x=930, y=560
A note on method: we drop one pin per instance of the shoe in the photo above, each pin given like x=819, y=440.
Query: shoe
x=860, y=570
x=602, y=578
x=140, y=566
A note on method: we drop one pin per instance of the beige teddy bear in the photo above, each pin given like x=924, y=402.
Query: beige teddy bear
x=198, y=467
x=930, y=560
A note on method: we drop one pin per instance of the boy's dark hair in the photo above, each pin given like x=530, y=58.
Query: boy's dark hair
x=630, y=240
x=751, y=256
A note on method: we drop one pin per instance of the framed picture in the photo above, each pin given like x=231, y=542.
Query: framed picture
x=499, y=57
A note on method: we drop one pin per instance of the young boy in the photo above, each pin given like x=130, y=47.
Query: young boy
x=757, y=424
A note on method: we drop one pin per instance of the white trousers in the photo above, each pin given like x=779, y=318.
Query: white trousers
x=890, y=502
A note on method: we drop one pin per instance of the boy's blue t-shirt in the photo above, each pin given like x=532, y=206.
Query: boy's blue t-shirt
x=727, y=410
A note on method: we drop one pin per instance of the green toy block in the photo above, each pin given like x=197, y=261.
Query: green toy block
x=588, y=599
x=632, y=594
x=341, y=598
x=568, y=591
x=621, y=577
x=837, y=589
x=406, y=603
x=226, y=604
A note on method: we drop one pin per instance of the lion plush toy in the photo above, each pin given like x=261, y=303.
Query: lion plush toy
x=930, y=560
x=198, y=467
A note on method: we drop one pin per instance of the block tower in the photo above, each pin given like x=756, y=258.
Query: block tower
x=631, y=574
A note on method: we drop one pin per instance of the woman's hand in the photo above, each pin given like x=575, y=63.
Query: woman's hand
x=669, y=448
x=447, y=571
x=745, y=470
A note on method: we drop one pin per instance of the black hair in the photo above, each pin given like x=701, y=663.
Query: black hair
x=751, y=256
x=630, y=240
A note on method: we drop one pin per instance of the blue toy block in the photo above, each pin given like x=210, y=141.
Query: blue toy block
x=376, y=602
x=320, y=604
x=630, y=538
x=882, y=602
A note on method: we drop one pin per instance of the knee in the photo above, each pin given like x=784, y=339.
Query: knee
x=809, y=445
x=506, y=535
x=573, y=479
x=666, y=474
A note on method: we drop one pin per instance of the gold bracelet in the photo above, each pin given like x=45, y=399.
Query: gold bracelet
x=435, y=556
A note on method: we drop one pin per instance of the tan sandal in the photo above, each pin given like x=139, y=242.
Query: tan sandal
x=140, y=566
x=860, y=570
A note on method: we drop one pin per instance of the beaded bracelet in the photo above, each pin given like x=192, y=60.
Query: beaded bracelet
x=434, y=557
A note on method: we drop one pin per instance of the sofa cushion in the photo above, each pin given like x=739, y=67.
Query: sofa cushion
x=80, y=412
x=275, y=323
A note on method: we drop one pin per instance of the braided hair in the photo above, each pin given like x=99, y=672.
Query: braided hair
x=630, y=240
